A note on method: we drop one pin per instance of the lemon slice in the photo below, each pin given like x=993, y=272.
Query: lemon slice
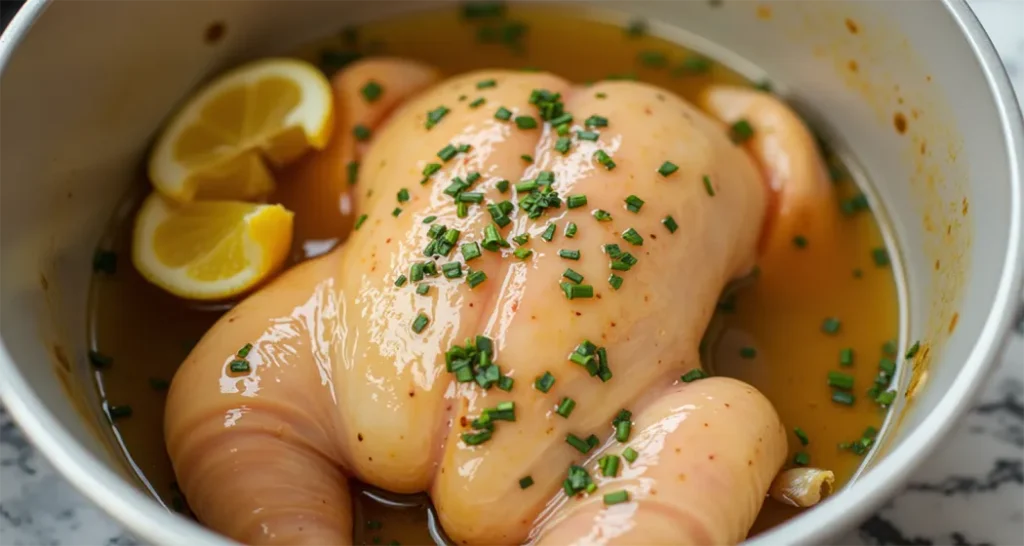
x=218, y=145
x=209, y=250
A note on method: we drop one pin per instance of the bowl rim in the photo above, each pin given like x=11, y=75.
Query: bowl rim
x=147, y=519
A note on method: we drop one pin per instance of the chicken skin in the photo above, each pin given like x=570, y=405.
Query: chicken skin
x=355, y=359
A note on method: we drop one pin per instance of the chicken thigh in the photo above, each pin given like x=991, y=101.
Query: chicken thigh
x=355, y=356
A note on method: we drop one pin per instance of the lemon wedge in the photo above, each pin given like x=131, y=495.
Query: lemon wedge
x=218, y=145
x=209, y=250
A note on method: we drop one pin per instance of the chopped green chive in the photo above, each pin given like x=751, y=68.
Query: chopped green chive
x=430, y=169
x=544, y=382
x=549, y=233
x=667, y=168
x=846, y=357
x=653, y=59
x=447, y=153
x=694, y=64
x=842, y=397
x=422, y=289
x=521, y=239
x=609, y=465
x=526, y=186
x=857, y=273
x=802, y=459
x=563, y=144
x=475, y=277
x=572, y=275
x=576, y=201
x=502, y=186
x=887, y=365
x=352, y=171
x=372, y=91
x=618, y=497
x=100, y=360
x=581, y=445
x=800, y=241
x=693, y=375
x=886, y=398
x=452, y=270
x=840, y=380
x=570, y=230
x=912, y=351
x=419, y=323
x=591, y=136
x=764, y=85
x=505, y=383
x=478, y=102
x=670, y=224
x=601, y=95
x=522, y=253
x=801, y=435
x=361, y=132
x=527, y=158
x=569, y=254
x=244, y=351
x=485, y=84
x=632, y=237
x=403, y=195
x=634, y=203
x=435, y=116
x=890, y=347
x=476, y=438
x=492, y=241
x=741, y=131
x=602, y=215
x=238, y=366
x=629, y=454
x=880, y=256
x=710, y=189
x=565, y=407
x=525, y=482
x=503, y=114
x=830, y=325
x=396, y=212
x=615, y=281
x=360, y=221
x=400, y=281
x=596, y=121
x=748, y=352
x=470, y=251
x=470, y=197
x=526, y=122
x=577, y=291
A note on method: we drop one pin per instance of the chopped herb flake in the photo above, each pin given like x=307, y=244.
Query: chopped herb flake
x=419, y=323
x=526, y=122
x=435, y=116
x=667, y=168
x=693, y=375
x=634, y=203
x=372, y=91
x=741, y=131
x=632, y=237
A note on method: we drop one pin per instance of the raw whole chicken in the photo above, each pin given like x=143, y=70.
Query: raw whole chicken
x=358, y=372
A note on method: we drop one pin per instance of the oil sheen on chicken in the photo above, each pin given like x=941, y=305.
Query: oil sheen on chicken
x=341, y=385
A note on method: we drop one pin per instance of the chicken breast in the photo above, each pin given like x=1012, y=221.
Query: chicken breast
x=356, y=356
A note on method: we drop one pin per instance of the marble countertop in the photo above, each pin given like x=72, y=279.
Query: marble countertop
x=970, y=492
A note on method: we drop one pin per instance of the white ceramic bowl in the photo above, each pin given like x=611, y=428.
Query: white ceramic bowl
x=86, y=84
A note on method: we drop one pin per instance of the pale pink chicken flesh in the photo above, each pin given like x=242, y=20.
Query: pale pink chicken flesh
x=342, y=386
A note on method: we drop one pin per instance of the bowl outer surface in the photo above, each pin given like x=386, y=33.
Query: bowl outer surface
x=76, y=116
